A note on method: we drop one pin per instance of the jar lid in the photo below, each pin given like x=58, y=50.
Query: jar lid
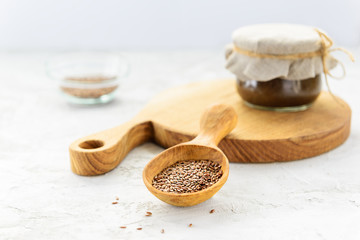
x=267, y=51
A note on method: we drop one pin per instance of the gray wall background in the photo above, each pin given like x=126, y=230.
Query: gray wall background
x=161, y=24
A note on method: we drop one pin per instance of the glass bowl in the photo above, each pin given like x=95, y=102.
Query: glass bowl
x=88, y=77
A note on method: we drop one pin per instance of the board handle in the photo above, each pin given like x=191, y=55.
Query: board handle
x=101, y=152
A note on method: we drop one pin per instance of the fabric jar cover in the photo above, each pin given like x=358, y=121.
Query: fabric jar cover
x=257, y=50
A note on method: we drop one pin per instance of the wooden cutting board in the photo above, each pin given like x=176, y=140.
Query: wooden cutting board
x=260, y=136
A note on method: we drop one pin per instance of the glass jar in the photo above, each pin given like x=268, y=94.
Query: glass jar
x=278, y=67
x=280, y=94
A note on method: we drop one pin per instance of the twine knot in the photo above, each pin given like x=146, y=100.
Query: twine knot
x=326, y=44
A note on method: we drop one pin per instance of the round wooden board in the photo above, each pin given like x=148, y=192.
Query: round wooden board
x=260, y=136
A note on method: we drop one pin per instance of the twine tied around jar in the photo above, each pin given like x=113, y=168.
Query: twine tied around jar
x=324, y=52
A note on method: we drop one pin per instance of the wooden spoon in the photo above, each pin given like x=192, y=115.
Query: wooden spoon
x=216, y=122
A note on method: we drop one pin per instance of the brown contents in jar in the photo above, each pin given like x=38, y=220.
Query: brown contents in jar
x=93, y=92
x=280, y=92
x=188, y=176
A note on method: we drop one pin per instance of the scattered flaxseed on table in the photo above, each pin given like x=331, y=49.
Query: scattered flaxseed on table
x=188, y=176
x=139, y=229
x=148, y=214
x=114, y=202
x=162, y=231
x=212, y=211
x=123, y=227
x=190, y=225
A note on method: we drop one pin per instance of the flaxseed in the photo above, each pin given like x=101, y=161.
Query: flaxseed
x=88, y=92
x=188, y=176
x=92, y=87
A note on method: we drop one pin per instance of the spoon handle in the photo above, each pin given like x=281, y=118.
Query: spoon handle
x=216, y=122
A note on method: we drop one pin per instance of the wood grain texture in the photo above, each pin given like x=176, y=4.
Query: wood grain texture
x=113, y=145
x=259, y=136
x=216, y=122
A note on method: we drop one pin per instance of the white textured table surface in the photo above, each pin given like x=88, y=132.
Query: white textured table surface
x=40, y=198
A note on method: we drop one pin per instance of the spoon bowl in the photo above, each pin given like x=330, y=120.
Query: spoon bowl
x=181, y=153
x=216, y=123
